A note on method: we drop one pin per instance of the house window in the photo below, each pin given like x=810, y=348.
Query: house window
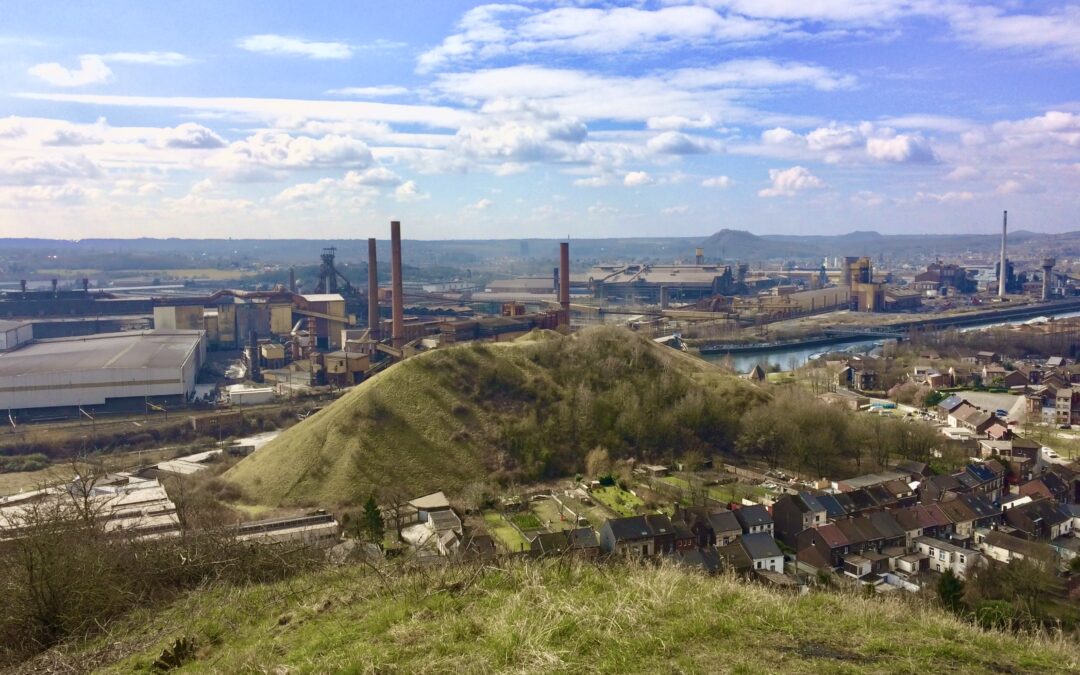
x=941, y=556
x=961, y=560
x=757, y=564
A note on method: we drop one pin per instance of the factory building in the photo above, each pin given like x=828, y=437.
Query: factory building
x=228, y=317
x=102, y=369
x=659, y=284
x=15, y=333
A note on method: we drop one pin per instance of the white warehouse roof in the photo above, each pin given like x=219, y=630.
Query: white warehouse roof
x=90, y=370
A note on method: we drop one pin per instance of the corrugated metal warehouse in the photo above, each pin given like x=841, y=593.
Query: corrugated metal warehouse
x=95, y=369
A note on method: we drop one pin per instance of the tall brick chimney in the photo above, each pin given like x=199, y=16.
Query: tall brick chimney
x=373, y=290
x=398, y=302
x=564, y=284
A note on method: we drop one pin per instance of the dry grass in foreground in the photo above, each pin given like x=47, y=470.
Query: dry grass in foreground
x=554, y=616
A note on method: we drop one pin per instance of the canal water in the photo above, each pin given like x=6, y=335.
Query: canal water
x=786, y=357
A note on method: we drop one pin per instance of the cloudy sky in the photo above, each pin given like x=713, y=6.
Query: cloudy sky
x=324, y=119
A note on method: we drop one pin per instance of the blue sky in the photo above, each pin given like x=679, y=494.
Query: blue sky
x=468, y=120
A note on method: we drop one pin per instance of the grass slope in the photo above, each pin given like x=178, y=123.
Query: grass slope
x=524, y=410
x=554, y=616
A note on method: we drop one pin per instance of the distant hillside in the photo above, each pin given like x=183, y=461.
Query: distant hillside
x=516, y=411
x=745, y=246
x=552, y=617
x=748, y=247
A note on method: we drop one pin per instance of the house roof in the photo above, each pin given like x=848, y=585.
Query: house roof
x=734, y=556
x=913, y=468
x=1028, y=549
x=706, y=559
x=724, y=521
x=753, y=516
x=980, y=505
x=810, y=503
x=760, y=545
x=582, y=537
x=1042, y=510
x=639, y=527
x=832, y=536
x=433, y=501
x=852, y=533
x=982, y=472
x=942, y=544
x=952, y=403
x=885, y=523
x=833, y=507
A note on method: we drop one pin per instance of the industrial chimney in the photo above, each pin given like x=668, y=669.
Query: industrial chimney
x=254, y=371
x=397, y=302
x=85, y=285
x=55, y=284
x=292, y=279
x=373, y=291
x=699, y=256
x=1001, y=269
x=1048, y=272
x=564, y=284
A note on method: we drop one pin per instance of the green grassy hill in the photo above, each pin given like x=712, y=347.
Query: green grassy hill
x=517, y=411
x=553, y=616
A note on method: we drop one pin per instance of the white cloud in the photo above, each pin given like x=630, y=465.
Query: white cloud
x=47, y=194
x=678, y=143
x=44, y=170
x=637, y=178
x=281, y=45
x=721, y=182
x=963, y=173
x=274, y=150
x=781, y=136
x=1056, y=32
x=72, y=137
x=788, y=182
x=869, y=12
x=408, y=192
x=375, y=176
x=902, y=148
x=274, y=110
x=481, y=205
x=191, y=136
x=517, y=131
x=868, y=198
x=594, y=181
x=1014, y=186
x=946, y=197
x=677, y=122
x=92, y=70
x=380, y=91
x=11, y=127
x=148, y=58
x=680, y=210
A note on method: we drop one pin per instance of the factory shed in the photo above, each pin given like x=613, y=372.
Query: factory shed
x=97, y=369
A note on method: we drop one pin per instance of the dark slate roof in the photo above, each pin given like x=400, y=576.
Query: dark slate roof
x=724, y=521
x=659, y=524
x=682, y=530
x=833, y=507
x=861, y=499
x=629, y=528
x=881, y=494
x=912, y=467
x=981, y=471
x=706, y=559
x=951, y=403
x=981, y=506
x=753, y=516
x=866, y=527
x=583, y=537
x=1029, y=549
x=957, y=511
x=845, y=501
x=811, y=502
x=1043, y=510
x=885, y=523
x=760, y=545
x=907, y=519
x=735, y=557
